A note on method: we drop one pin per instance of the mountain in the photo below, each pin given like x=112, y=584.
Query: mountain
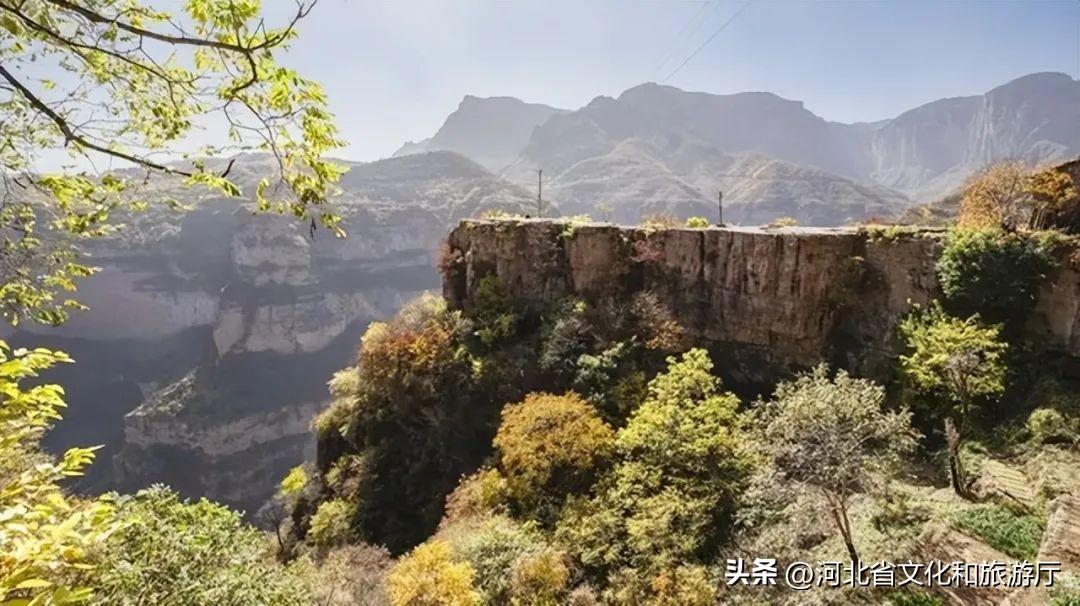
x=671, y=175
x=657, y=147
x=491, y=131
x=928, y=151
x=744, y=122
x=210, y=335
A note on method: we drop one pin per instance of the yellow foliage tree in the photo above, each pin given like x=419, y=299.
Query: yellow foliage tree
x=550, y=446
x=1012, y=195
x=429, y=576
x=45, y=536
x=998, y=196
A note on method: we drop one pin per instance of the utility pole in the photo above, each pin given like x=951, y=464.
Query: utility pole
x=539, y=192
x=720, y=207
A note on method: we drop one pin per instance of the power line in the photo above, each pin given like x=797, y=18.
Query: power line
x=722, y=27
x=679, y=37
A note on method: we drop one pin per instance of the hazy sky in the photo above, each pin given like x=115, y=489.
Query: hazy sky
x=395, y=69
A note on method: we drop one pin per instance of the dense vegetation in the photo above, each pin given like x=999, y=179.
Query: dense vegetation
x=586, y=451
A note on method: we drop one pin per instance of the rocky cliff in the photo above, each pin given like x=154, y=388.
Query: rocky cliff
x=766, y=299
x=211, y=334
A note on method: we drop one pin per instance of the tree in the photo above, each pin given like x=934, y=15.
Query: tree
x=493, y=546
x=994, y=271
x=428, y=576
x=551, y=446
x=1010, y=195
x=958, y=362
x=998, y=196
x=119, y=81
x=45, y=535
x=171, y=552
x=832, y=436
x=682, y=460
x=1057, y=200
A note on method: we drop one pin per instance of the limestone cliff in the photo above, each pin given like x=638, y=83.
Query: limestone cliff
x=767, y=299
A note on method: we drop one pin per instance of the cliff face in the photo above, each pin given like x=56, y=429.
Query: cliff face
x=204, y=355
x=767, y=299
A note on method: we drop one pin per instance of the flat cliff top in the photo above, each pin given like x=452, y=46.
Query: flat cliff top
x=797, y=230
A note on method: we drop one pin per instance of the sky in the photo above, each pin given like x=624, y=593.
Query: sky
x=394, y=70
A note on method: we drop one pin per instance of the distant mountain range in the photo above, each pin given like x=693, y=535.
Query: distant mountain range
x=661, y=149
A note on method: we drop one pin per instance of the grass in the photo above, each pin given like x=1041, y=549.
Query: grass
x=1016, y=535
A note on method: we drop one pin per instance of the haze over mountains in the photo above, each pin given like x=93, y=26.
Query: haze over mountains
x=658, y=148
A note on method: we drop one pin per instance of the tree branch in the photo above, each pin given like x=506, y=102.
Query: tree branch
x=70, y=135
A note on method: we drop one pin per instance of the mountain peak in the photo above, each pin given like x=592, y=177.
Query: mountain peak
x=1037, y=82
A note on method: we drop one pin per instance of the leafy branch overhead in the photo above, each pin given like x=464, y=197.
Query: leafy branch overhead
x=133, y=91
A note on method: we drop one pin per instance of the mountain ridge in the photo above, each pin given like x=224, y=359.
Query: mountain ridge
x=921, y=154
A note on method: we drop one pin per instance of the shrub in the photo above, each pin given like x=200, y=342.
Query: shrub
x=294, y=483
x=354, y=575
x=679, y=586
x=1016, y=535
x=993, y=272
x=428, y=576
x=1047, y=424
x=551, y=446
x=697, y=222
x=494, y=311
x=1066, y=590
x=656, y=324
x=595, y=373
x=491, y=546
x=346, y=476
x=539, y=579
x=331, y=524
x=566, y=339
x=659, y=221
x=628, y=393
x=783, y=222
x=482, y=493
x=174, y=553
x=572, y=223
x=45, y=535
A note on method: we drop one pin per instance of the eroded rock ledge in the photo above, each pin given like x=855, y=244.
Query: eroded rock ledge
x=764, y=298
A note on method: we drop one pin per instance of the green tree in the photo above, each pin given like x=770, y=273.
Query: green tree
x=551, y=446
x=170, y=552
x=832, y=437
x=682, y=461
x=331, y=524
x=120, y=81
x=993, y=271
x=492, y=546
x=958, y=362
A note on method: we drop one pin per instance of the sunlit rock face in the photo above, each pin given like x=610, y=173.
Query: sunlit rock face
x=768, y=300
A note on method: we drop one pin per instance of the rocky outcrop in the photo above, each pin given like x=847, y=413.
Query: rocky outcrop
x=765, y=299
